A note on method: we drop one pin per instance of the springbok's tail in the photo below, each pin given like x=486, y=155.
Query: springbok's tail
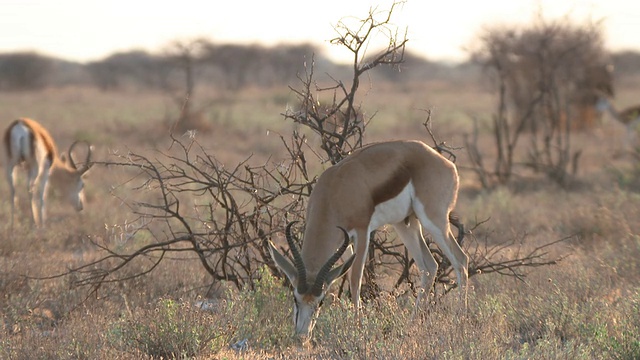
x=454, y=219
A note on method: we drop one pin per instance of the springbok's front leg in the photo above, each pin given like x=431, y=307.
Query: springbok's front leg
x=361, y=245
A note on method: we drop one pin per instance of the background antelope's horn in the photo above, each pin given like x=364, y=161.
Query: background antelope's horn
x=87, y=163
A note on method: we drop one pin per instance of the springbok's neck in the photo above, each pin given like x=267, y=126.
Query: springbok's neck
x=60, y=171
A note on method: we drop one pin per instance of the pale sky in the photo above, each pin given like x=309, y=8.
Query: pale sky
x=85, y=30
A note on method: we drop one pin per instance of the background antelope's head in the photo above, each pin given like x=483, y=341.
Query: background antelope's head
x=309, y=293
x=67, y=179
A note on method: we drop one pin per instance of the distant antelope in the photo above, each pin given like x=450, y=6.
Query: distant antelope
x=403, y=183
x=28, y=142
x=630, y=116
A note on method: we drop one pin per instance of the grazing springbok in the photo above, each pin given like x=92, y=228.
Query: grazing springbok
x=28, y=142
x=402, y=183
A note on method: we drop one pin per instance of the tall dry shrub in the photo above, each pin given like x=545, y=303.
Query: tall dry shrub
x=547, y=77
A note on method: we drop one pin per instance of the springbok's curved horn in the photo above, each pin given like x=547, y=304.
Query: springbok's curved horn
x=297, y=260
x=87, y=165
x=324, y=271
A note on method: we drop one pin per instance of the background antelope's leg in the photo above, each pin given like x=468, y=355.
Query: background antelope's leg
x=11, y=178
x=38, y=197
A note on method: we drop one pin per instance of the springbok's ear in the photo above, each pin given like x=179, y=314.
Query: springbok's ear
x=283, y=263
x=339, y=271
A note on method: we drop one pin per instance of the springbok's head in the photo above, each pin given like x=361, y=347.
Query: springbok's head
x=68, y=180
x=308, y=295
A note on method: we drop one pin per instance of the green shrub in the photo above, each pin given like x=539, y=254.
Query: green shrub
x=263, y=316
x=624, y=341
x=173, y=330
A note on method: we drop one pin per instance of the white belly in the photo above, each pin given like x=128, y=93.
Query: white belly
x=393, y=210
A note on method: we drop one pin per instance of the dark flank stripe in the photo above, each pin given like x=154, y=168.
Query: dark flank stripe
x=392, y=187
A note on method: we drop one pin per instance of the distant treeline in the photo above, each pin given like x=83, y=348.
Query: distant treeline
x=224, y=66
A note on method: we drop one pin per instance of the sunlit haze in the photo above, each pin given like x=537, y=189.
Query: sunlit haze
x=85, y=30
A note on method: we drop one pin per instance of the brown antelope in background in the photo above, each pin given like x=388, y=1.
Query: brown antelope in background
x=403, y=183
x=28, y=143
x=630, y=117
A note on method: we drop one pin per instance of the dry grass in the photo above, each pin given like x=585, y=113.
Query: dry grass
x=588, y=306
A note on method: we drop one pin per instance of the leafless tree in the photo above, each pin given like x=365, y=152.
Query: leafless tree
x=186, y=56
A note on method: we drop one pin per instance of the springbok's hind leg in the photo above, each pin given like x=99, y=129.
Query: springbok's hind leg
x=438, y=226
x=411, y=235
